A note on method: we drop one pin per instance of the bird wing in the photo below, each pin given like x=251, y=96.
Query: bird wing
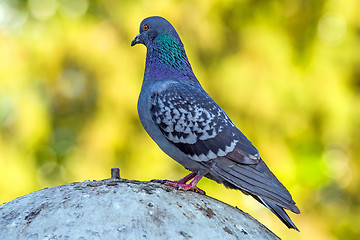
x=191, y=120
x=256, y=180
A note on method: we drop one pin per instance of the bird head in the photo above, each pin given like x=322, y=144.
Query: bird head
x=152, y=29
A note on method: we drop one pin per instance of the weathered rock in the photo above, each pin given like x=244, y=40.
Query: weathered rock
x=123, y=209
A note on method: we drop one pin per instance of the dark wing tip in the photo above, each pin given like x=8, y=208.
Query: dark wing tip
x=296, y=210
x=279, y=212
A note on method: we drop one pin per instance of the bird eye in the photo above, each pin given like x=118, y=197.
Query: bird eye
x=145, y=27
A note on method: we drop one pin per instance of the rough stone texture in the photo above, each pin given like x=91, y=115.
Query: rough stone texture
x=123, y=209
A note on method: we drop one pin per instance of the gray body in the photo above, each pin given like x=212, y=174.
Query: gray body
x=144, y=105
x=190, y=127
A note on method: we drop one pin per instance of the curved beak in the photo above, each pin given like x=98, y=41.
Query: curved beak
x=136, y=40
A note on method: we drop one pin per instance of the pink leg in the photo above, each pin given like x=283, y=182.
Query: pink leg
x=181, y=184
x=186, y=178
x=181, y=181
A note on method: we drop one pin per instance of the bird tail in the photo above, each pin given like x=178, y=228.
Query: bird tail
x=278, y=211
x=258, y=181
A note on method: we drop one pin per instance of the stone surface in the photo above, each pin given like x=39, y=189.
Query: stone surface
x=123, y=209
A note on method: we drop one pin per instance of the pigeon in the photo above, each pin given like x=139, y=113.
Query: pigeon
x=190, y=127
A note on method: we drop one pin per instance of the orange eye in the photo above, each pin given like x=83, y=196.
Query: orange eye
x=145, y=27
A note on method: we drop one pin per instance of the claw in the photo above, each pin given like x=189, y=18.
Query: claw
x=188, y=187
x=181, y=184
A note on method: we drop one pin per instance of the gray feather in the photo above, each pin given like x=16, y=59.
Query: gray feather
x=255, y=180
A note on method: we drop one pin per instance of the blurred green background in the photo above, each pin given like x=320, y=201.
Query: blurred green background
x=286, y=72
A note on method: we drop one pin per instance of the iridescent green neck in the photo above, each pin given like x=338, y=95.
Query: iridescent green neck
x=166, y=58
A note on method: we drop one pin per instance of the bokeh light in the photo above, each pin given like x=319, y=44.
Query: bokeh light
x=286, y=72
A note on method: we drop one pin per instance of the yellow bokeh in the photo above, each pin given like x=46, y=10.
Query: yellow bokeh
x=286, y=72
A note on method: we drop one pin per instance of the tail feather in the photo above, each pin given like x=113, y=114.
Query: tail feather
x=264, y=188
x=258, y=181
x=268, y=186
x=279, y=212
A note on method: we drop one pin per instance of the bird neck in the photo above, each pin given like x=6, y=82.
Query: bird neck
x=166, y=58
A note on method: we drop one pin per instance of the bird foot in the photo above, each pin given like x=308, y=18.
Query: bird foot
x=185, y=187
x=181, y=184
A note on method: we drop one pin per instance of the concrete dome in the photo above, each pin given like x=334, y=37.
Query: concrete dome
x=123, y=209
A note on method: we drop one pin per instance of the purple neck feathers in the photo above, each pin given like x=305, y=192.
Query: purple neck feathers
x=166, y=59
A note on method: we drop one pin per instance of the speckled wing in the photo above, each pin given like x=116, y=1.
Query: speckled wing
x=191, y=120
